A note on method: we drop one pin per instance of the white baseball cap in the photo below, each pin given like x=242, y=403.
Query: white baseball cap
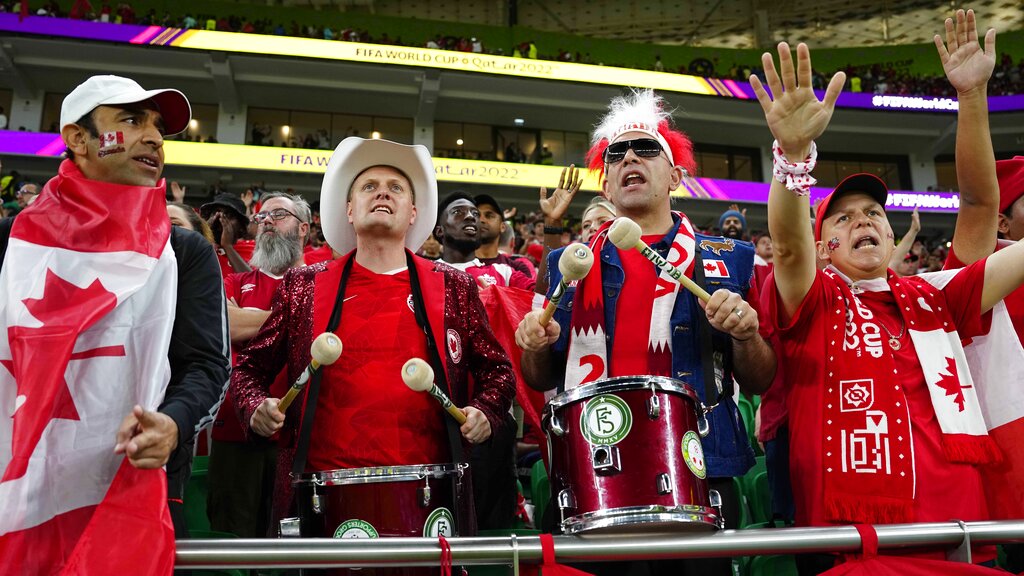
x=114, y=90
x=353, y=156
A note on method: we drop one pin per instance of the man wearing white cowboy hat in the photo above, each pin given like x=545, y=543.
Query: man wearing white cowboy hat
x=378, y=205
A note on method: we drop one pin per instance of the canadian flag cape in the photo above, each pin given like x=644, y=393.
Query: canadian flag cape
x=87, y=294
x=995, y=362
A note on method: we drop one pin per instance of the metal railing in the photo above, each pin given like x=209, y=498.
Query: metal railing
x=956, y=537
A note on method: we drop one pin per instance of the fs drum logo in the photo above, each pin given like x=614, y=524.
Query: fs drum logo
x=693, y=454
x=439, y=523
x=355, y=528
x=606, y=420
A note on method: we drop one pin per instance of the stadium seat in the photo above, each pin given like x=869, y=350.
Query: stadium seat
x=195, y=497
x=774, y=565
x=541, y=491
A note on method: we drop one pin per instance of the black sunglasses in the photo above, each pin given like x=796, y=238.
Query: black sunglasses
x=644, y=148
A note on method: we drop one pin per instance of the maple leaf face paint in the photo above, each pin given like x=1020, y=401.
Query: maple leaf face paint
x=833, y=244
x=111, y=143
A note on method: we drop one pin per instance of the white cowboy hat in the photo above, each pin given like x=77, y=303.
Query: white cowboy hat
x=350, y=159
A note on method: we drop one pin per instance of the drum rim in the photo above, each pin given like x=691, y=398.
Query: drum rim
x=624, y=384
x=627, y=516
x=378, y=474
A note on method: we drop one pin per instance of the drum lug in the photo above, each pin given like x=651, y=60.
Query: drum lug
x=605, y=459
x=289, y=528
x=556, y=426
x=715, y=499
x=425, y=495
x=664, y=484
x=316, y=502
x=653, y=407
x=702, y=426
x=566, y=501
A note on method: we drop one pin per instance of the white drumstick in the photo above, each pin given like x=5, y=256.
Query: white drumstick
x=625, y=234
x=325, y=350
x=574, y=264
x=419, y=376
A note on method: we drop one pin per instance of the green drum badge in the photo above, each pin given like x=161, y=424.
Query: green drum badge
x=356, y=528
x=606, y=420
x=693, y=454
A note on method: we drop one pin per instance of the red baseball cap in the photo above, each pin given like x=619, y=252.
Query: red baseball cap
x=1010, y=174
x=862, y=183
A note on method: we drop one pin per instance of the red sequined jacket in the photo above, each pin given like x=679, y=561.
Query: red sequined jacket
x=479, y=373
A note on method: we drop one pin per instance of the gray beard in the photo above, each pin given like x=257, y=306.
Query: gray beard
x=275, y=253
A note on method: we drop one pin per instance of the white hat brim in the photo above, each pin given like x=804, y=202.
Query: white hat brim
x=353, y=156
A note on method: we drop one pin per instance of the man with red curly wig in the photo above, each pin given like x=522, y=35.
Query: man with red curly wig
x=628, y=318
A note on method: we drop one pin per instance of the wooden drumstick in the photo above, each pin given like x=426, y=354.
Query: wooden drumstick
x=326, y=349
x=625, y=234
x=419, y=376
x=574, y=264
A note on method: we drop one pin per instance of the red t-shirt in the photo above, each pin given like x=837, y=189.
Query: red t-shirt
x=314, y=255
x=366, y=415
x=244, y=248
x=943, y=490
x=632, y=355
x=1014, y=301
x=494, y=274
x=253, y=290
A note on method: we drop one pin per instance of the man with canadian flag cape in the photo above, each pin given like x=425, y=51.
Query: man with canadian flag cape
x=885, y=415
x=112, y=346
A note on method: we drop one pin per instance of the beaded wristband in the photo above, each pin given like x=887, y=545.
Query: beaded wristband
x=795, y=175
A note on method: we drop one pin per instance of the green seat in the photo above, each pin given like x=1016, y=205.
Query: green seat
x=748, y=408
x=747, y=480
x=774, y=565
x=744, y=520
x=541, y=491
x=195, y=497
x=761, y=499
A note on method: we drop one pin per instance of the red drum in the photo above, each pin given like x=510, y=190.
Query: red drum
x=413, y=501
x=626, y=456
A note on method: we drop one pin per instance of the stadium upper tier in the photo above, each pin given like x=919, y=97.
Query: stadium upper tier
x=899, y=70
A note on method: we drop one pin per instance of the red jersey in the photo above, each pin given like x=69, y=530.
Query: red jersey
x=1014, y=301
x=314, y=255
x=631, y=356
x=255, y=291
x=494, y=274
x=244, y=248
x=802, y=353
x=366, y=415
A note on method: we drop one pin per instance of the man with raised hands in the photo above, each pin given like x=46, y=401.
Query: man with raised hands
x=113, y=345
x=883, y=414
x=378, y=204
x=991, y=207
x=627, y=318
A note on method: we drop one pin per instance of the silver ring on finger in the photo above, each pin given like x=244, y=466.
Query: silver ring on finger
x=738, y=312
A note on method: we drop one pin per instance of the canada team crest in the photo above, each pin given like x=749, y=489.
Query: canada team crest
x=454, y=346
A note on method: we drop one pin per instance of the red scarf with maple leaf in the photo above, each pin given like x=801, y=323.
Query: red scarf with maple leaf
x=588, y=346
x=867, y=442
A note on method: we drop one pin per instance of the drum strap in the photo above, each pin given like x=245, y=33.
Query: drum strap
x=441, y=378
x=302, y=448
x=712, y=363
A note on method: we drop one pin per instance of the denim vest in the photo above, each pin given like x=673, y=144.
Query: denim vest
x=727, y=450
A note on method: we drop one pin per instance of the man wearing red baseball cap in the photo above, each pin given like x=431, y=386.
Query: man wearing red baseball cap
x=884, y=415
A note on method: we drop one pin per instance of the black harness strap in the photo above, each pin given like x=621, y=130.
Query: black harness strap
x=302, y=449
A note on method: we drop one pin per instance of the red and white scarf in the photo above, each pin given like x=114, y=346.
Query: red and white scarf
x=588, y=347
x=87, y=296
x=868, y=446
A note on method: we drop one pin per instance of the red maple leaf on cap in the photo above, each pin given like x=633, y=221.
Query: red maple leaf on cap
x=950, y=382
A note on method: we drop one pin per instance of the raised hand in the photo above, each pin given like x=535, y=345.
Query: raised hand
x=554, y=206
x=967, y=66
x=793, y=112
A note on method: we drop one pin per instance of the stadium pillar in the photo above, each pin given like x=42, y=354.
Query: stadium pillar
x=231, y=124
x=27, y=113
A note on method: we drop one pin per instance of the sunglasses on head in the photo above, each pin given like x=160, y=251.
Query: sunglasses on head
x=644, y=148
